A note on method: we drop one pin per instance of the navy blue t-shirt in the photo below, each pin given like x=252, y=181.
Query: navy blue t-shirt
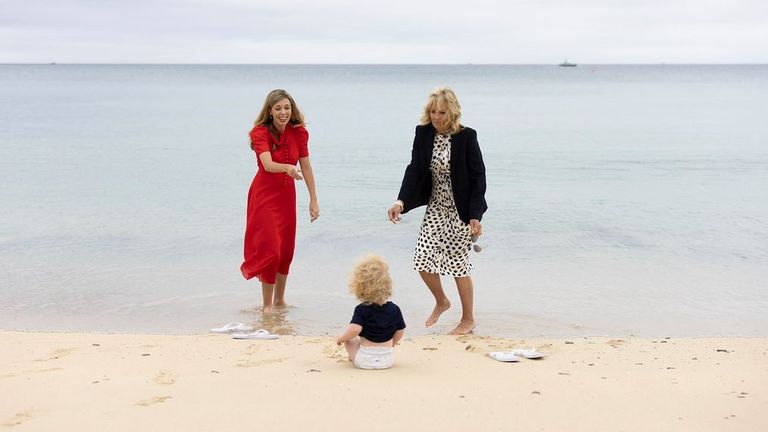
x=379, y=322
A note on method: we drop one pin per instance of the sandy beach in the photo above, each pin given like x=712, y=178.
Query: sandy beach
x=74, y=382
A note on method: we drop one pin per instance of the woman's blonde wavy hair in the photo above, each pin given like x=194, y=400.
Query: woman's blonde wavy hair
x=446, y=97
x=370, y=281
x=273, y=97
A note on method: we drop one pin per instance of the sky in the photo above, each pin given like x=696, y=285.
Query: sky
x=384, y=32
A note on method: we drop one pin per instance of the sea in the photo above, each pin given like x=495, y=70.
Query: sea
x=624, y=200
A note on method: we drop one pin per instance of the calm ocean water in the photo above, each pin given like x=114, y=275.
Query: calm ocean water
x=624, y=200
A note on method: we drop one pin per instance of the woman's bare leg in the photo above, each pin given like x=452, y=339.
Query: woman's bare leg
x=267, y=294
x=442, y=303
x=280, y=282
x=466, y=294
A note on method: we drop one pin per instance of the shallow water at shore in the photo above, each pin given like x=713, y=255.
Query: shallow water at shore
x=623, y=199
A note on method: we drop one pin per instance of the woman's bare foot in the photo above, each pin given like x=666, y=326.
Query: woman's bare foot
x=267, y=309
x=464, y=327
x=436, y=312
x=281, y=304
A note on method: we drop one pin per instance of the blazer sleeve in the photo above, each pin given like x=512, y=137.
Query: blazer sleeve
x=477, y=186
x=411, y=176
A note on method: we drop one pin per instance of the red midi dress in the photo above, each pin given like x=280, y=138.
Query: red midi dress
x=270, y=231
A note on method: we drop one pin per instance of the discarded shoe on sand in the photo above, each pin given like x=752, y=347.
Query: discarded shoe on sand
x=529, y=353
x=232, y=327
x=504, y=356
x=258, y=334
x=515, y=355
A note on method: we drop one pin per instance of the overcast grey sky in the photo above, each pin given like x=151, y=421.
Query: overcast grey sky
x=389, y=31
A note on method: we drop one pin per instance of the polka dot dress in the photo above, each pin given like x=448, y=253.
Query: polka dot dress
x=444, y=240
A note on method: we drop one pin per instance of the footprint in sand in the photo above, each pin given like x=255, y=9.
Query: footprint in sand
x=469, y=338
x=253, y=349
x=250, y=363
x=165, y=377
x=56, y=354
x=153, y=401
x=43, y=370
x=335, y=352
x=500, y=346
x=20, y=418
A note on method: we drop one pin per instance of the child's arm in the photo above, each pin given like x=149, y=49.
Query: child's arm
x=351, y=331
x=397, y=336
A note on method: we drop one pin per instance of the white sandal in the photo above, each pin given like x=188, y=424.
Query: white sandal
x=528, y=353
x=258, y=334
x=504, y=356
x=232, y=327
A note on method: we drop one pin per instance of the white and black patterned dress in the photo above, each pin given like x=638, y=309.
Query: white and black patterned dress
x=444, y=240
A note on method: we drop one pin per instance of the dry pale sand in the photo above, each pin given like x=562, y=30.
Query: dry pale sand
x=109, y=382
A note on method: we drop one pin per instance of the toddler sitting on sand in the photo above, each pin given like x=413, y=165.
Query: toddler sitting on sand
x=377, y=324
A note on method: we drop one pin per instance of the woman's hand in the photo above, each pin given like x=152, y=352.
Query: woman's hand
x=294, y=172
x=394, y=212
x=477, y=228
x=314, y=211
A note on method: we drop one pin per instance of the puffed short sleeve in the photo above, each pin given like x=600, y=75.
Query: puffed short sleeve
x=302, y=137
x=260, y=139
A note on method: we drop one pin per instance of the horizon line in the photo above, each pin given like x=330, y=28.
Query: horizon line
x=52, y=63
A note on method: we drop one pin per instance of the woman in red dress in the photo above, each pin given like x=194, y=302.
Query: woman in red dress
x=280, y=142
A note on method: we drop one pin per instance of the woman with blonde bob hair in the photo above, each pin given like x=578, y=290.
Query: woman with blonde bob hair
x=377, y=324
x=279, y=140
x=445, y=97
x=447, y=174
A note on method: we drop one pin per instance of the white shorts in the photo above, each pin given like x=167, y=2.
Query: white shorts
x=374, y=357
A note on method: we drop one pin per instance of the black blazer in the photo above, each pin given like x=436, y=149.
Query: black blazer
x=467, y=173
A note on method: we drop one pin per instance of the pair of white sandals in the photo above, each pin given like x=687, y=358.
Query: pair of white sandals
x=239, y=330
x=515, y=355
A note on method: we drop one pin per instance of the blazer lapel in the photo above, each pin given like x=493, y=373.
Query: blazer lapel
x=430, y=145
x=454, y=148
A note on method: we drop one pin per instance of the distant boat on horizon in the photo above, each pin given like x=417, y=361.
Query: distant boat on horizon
x=566, y=64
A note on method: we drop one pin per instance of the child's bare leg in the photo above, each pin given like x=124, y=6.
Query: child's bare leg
x=267, y=293
x=466, y=294
x=280, y=282
x=352, y=346
x=442, y=303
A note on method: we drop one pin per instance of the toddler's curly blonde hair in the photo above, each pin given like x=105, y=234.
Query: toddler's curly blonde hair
x=370, y=281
